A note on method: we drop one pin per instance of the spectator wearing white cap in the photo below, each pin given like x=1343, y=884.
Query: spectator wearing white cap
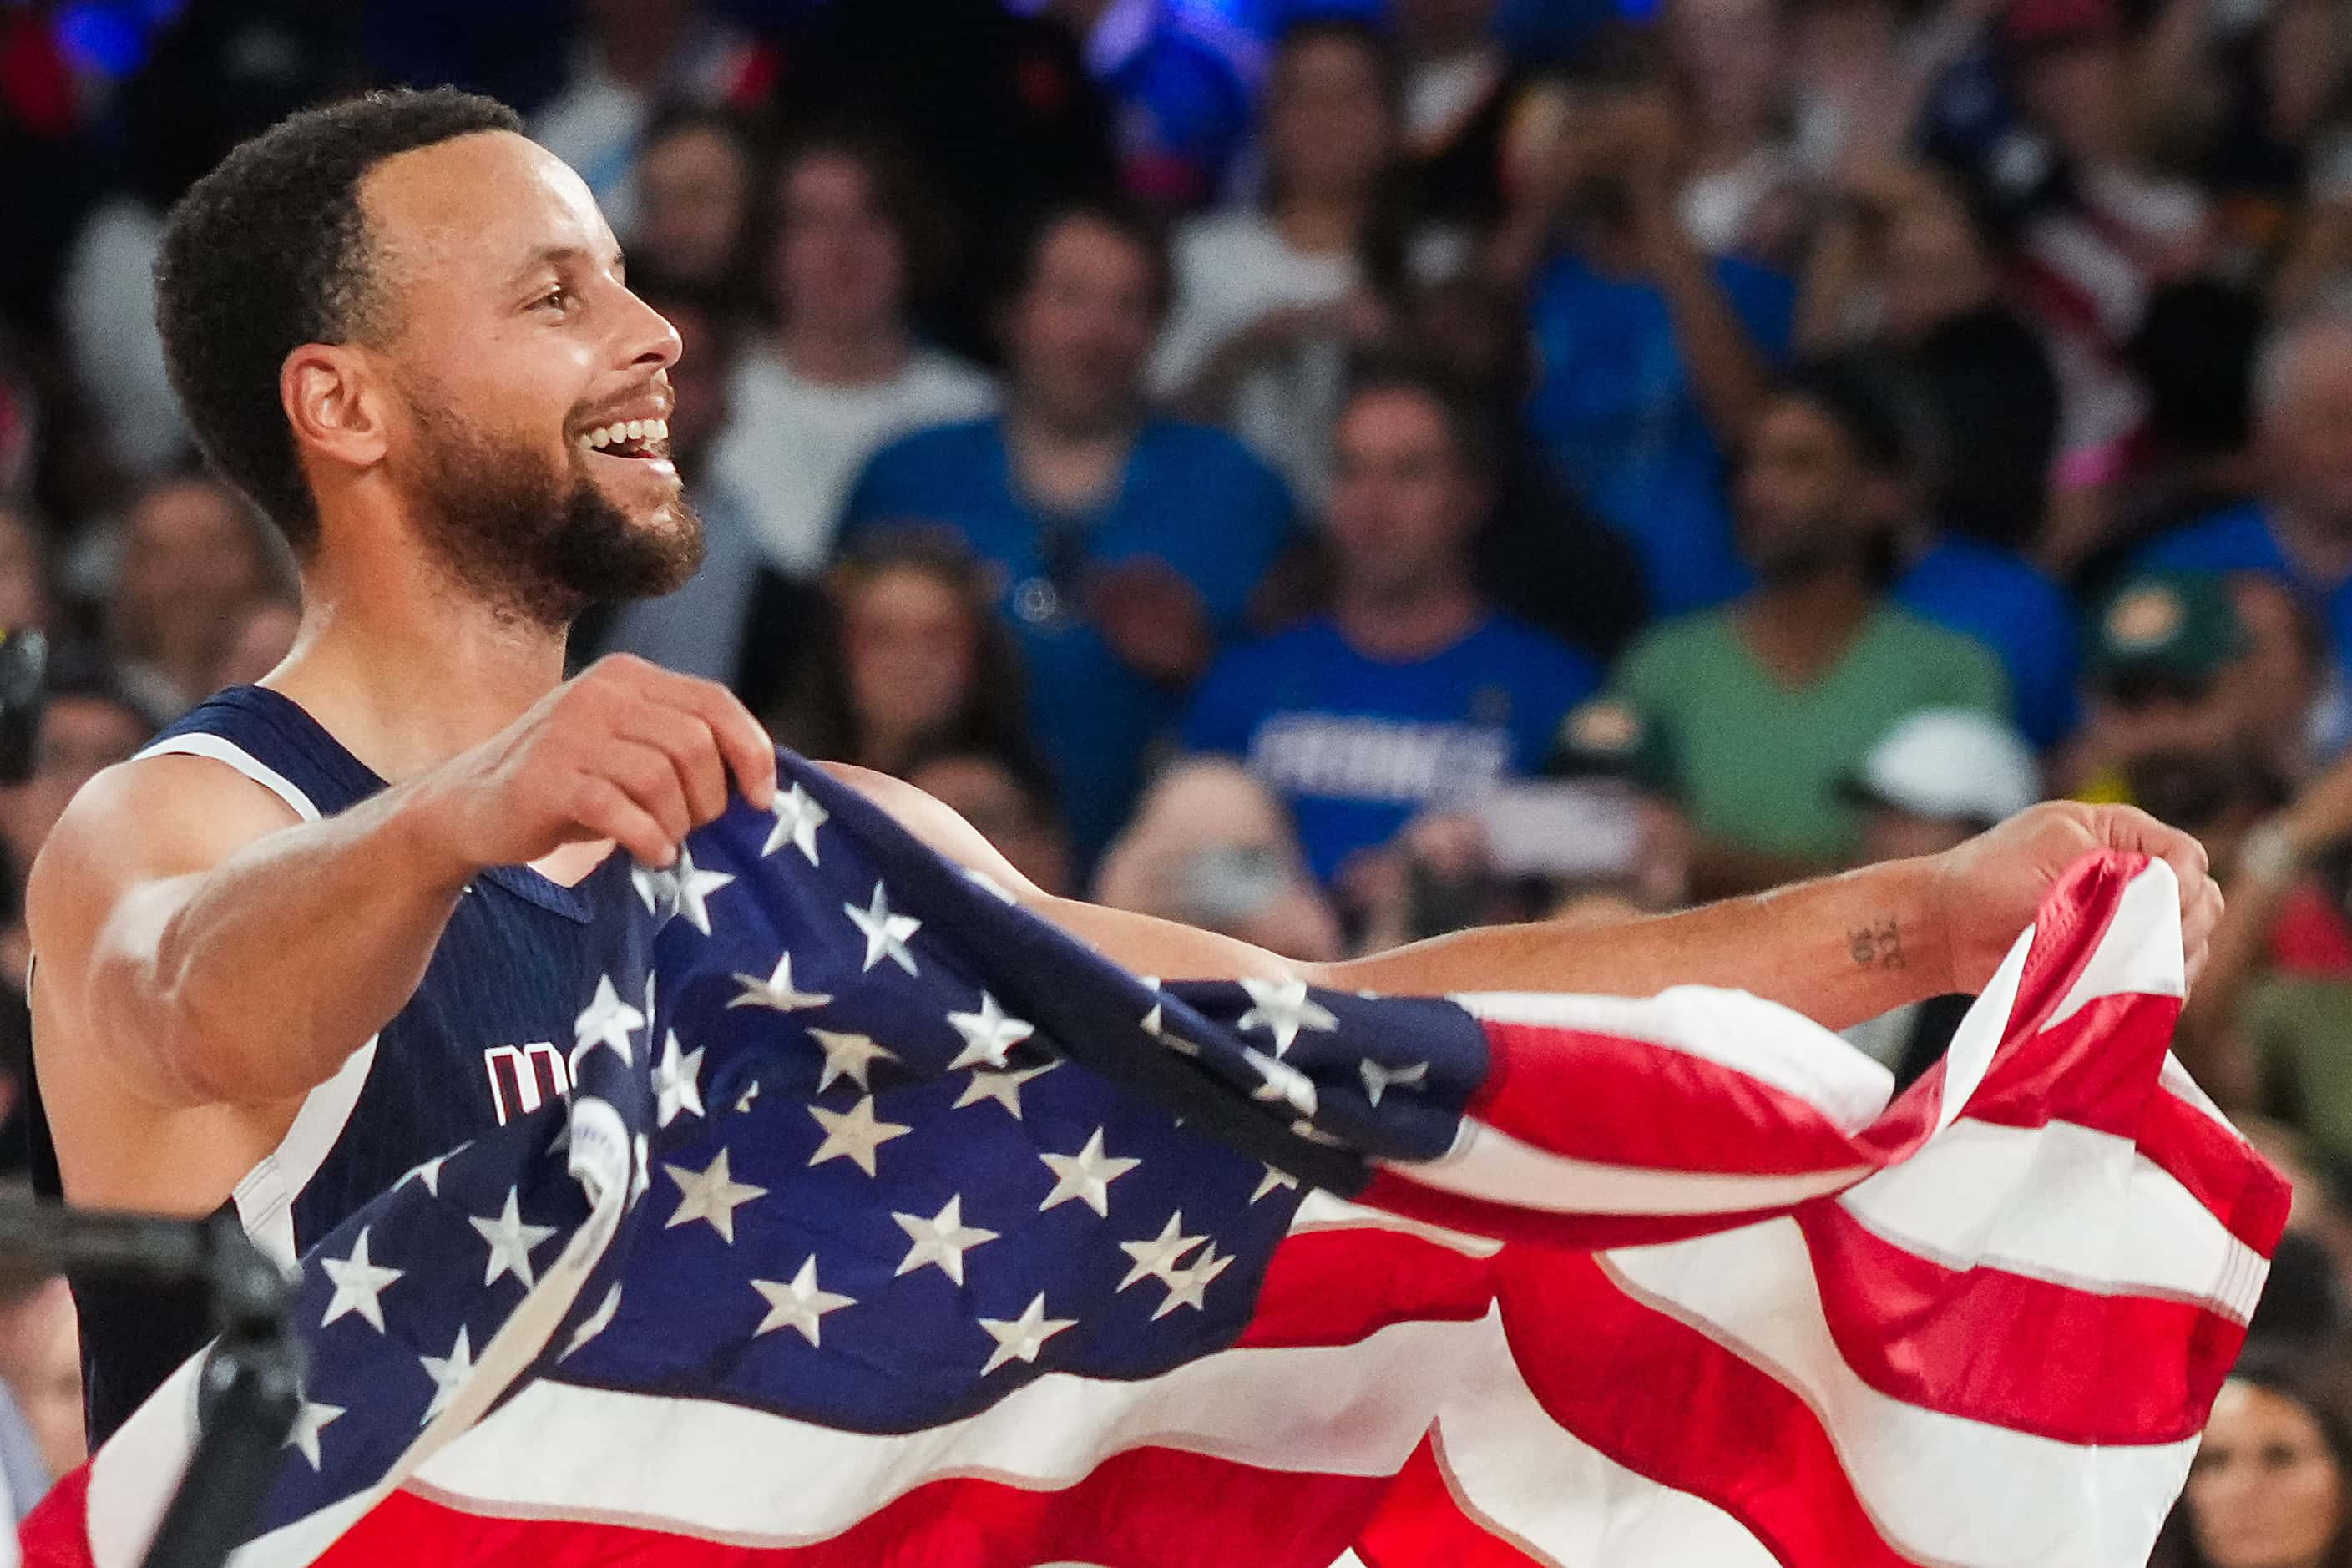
x=1940, y=775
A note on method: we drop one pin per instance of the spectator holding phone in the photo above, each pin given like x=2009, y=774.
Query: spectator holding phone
x=1654, y=356
x=1412, y=691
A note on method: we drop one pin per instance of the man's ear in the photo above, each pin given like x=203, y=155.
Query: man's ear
x=335, y=404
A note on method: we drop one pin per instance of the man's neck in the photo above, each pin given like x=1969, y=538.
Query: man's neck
x=831, y=357
x=2318, y=553
x=1065, y=463
x=1323, y=223
x=1407, y=621
x=1798, y=630
x=405, y=672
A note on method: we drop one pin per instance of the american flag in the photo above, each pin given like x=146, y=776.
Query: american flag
x=887, y=1224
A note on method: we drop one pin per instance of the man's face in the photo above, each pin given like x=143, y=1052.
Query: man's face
x=1083, y=326
x=2309, y=433
x=1329, y=125
x=837, y=254
x=78, y=737
x=1401, y=507
x=190, y=564
x=1806, y=502
x=692, y=189
x=527, y=376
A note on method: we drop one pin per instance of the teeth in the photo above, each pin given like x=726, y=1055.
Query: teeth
x=622, y=432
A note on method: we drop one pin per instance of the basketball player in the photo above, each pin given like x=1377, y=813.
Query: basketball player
x=283, y=953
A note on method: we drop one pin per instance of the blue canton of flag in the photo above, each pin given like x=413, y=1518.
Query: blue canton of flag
x=854, y=1140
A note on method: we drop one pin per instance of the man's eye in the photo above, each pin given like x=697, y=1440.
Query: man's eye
x=558, y=297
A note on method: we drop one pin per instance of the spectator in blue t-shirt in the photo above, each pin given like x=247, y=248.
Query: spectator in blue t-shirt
x=1412, y=691
x=1128, y=546
x=1654, y=357
x=2299, y=529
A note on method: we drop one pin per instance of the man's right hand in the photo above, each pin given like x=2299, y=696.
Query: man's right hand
x=626, y=752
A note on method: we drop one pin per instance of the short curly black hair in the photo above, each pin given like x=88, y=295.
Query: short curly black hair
x=269, y=251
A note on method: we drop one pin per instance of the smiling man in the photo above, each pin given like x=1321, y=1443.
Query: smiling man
x=332, y=926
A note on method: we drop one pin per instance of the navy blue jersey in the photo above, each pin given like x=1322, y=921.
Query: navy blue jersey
x=486, y=1038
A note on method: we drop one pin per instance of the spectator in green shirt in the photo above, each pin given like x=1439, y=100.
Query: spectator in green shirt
x=1774, y=699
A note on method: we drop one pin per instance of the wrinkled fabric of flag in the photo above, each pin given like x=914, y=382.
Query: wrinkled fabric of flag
x=888, y=1224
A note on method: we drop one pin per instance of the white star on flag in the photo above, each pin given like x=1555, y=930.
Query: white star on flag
x=987, y=1034
x=776, y=991
x=655, y=887
x=594, y=1323
x=1004, y=1087
x=1158, y=1259
x=1283, y=1008
x=885, y=934
x=1274, y=1180
x=607, y=1021
x=848, y=1055
x=358, y=1282
x=429, y=1173
x=695, y=887
x=1020, y=1339
x=1151, y=1019
x=678, y=1081
x=710, y=1194
x=308, y=1423
x=854, y=1134
x=448, y=1374
x=798, y=816
x=1086, y=1175
x=1186, y=1287
x=511, y=1241
x=940, y=1240
x=1377, y=1078
x=1283, y=1082
x=798, y=1305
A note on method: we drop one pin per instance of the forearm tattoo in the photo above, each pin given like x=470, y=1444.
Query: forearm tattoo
x=1877, y=947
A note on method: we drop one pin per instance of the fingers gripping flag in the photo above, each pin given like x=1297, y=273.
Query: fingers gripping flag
x=888, y=1225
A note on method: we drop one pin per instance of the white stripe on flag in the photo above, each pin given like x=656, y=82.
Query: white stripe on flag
x=1519, y=1468
x=1927, y=1479
x=711, y=1468
x=2062, y=1203
x=2141, y=953
x=1321, y=1210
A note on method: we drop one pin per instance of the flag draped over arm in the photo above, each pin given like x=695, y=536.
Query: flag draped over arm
x=887, y=1224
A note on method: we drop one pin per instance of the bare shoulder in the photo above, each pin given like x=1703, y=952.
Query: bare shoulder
x=137, y=822
x=938, y=825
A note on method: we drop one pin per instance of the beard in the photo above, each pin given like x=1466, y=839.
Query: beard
x=539, y=542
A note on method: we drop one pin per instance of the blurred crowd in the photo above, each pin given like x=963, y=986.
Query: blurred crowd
x=1334, y=472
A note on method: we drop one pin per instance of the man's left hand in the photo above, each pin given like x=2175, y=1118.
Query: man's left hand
x=1988, y=888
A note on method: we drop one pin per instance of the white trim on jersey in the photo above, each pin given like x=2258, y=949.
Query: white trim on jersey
x=265, y=1198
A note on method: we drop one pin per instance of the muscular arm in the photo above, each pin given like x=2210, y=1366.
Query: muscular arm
x=1839, y=949
x=183, y=918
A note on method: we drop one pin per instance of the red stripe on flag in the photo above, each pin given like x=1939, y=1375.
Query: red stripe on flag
x=2014, y=1352
x=1423, y=1521
x=1339, y=1285
x=1584, y=1094
x=55, y=1534
x=1148, y=1508
x=1629, y=1380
